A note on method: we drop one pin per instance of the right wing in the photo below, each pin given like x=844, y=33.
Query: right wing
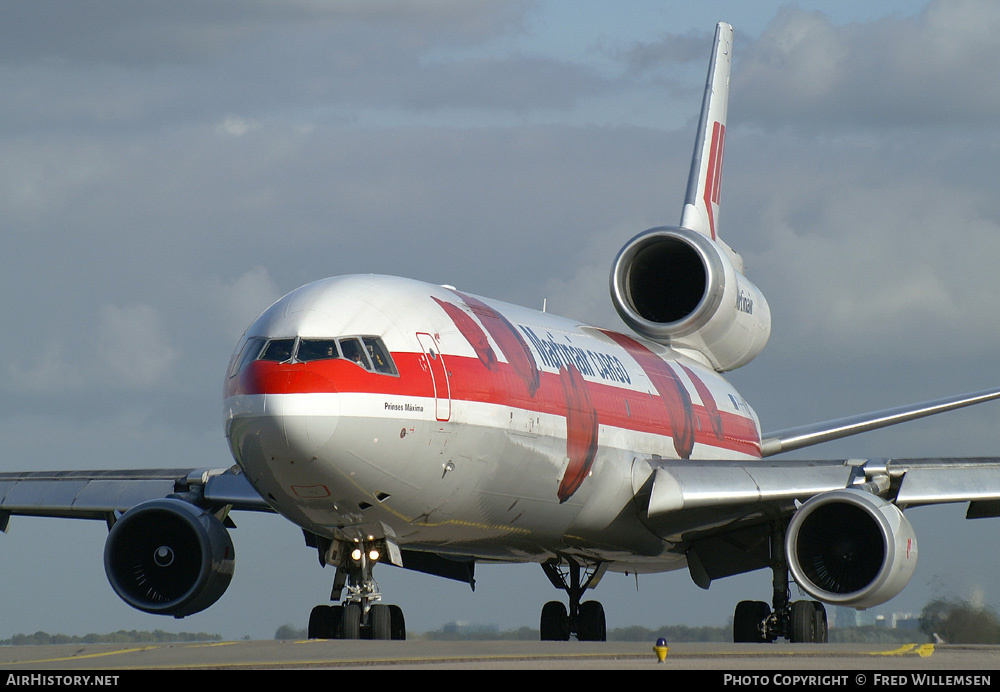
x=168, y=550
x=107, y=494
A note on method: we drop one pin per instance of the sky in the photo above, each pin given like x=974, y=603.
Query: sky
x=169, y=169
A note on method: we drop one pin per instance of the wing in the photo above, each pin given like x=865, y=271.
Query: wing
x=168, y=551
x=107, y=494
x=838, y=523
x=806, y=435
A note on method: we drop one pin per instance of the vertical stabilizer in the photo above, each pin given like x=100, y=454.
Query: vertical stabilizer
x=701, y=204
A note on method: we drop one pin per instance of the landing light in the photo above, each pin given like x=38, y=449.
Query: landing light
x=373, y=555
x=356, y=554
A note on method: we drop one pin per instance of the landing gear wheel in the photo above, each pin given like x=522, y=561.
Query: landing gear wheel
x=585, y=620
x=748, y=622
x=591, y=625
x=350, y=627
x=803, y=622
x=321, y=623
x=397, y=626
x=821, y=630
x=379, y=622
x=798, y=622
x=554, y=624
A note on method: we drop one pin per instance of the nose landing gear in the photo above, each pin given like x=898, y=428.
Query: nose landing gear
x=361, y=615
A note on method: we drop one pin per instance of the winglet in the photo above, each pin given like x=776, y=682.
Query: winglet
x=701, y=204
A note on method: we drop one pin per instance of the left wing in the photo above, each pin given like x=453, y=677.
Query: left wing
x=807, y=435
x=837, y=526
x=679, y=485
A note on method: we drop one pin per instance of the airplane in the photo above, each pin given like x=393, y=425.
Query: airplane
x=422, y=426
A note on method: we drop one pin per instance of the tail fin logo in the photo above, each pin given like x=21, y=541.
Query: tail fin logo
x=713, y=178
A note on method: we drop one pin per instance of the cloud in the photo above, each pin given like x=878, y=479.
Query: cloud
x=195, y=32
x=234, y=304
x=130, y=347
x=875, y=239
x=890, y=73
x=125, y=348
x=111, y=64
x=670, y=51
x=49, y=371
x=237, y=127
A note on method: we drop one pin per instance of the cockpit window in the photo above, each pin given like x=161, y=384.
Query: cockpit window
x=379, y=356
x=278, y=350
x=317, y=349
x=251, y=349
x=354, y=351
x=369, y=352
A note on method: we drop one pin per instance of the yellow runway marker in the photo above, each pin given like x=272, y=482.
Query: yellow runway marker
x=198, y=646
x=83, y=656
x=922, y=650
x=905, y=649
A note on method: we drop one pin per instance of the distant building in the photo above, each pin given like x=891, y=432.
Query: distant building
x=849, y=617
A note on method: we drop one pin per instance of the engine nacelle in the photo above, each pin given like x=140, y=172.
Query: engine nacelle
x=169, y=557
x=851, y=548
x=679, y=288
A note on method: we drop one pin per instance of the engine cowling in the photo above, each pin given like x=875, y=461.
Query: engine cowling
x=169, y=557
x=677, y=287
x=851, y=548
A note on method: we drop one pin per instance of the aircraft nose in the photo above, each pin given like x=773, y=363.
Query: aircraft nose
x=307, y=422
x=263, y=377
x=282, y=411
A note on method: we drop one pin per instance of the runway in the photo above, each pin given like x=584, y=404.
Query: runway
x=506, y=655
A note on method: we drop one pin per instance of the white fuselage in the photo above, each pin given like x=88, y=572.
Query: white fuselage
x=471, y=427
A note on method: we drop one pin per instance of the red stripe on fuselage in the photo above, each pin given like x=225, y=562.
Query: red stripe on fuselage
x=470, y=380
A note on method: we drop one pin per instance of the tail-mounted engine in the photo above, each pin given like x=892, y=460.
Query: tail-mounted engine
x=169, y=557
x=679, y=288
x=851, y=548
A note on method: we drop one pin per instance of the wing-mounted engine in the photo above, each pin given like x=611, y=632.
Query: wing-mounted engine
x=680, y=288
x=169, y=557
x=851, y=548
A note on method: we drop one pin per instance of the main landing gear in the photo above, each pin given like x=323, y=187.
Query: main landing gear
x=585, y=620
x=801, y=621
x=361, y=615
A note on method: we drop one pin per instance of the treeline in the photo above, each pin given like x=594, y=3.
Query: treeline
x=959, y=622
x=119, y=637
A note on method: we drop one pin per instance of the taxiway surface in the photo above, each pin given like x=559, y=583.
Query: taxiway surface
x=267, y=654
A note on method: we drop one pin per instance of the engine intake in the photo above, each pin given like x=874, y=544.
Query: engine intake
x=169, y=557
x=851, y=548
x=679, y=288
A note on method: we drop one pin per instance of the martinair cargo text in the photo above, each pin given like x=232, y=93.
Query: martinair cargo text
x=420, y=425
